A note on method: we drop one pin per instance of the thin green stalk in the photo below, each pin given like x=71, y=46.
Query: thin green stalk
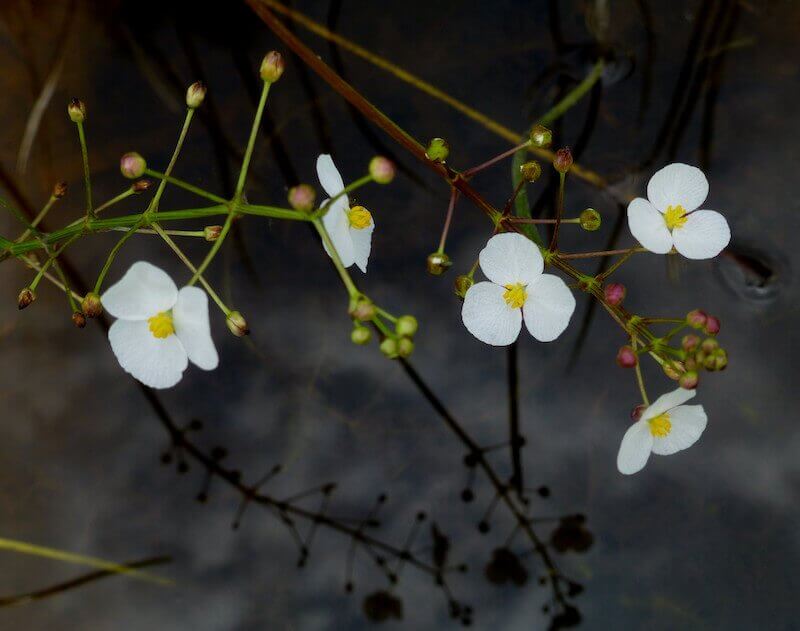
x=639, y=379
x=352, y=290
x=214, y=249
x=248, y=154
x=178, y=146
x=114, y=200
x=50, y=260
x=37, y=220
x=87, y=179
x=174, y=233
x=559, y=211
x=186, y=186
x=366, y=179
x=110, y=258
x=573, y=96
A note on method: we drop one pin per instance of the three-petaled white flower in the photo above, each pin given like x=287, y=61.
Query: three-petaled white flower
x=670, y=217
x=493, y=311
x=159, y=328
x=350, y=229
x=665, y=428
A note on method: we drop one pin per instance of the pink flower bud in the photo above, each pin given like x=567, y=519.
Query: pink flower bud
x=690, y=342
x=272, y=66
x=636, y=413
x=626, y=357
x=696, y=319
x=563, y=160
x=132, y=165
x=614, y=293
x=712, y=325
x=381, y=169
x=689, y=380
x=301, y=197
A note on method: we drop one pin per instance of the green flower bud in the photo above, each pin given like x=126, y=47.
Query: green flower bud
x=237, y=324
x=77, y=111
x=462, y=284
x=530, y=171
x=689, y=380
x=438, y=263
x=195, y=95
x=360, y=335
x=673, y=369
x=211, y=233
x=91, y=305
x=690, y=342
x=406, y=326
x=132, y=165
x=382, y=169
x=389, y=347
x=590, y=220
x=362, y=310
x=405, y=347
x=272, y=66
x=437, y=150
x=709, y=345
x=541, y=136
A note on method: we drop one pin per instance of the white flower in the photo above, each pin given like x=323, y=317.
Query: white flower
x=350, y=229
x=159, y=328
x=665, y=428
x=493, y=311
x=670, y=217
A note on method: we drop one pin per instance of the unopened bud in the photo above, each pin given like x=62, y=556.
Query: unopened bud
x=59, y=190
x=382, y=169
x=690, y=342
x=302, y=197
x=389, y=347
x=77, y=111
x=720, y=359
x=709, y=345
x=91, y=305
x=691, y=363
x=360, y=335
x=25, y=298
x=78, y=319
x=405, y=347
x=438, y=263
x=673, y=369
x=272, y=66
x=712, y=325
x=211, y=233
x=636, y=413
x=462, y=284
x=237, y=324
x=362, y=310
x=132, y=165
x=626, y=357
x=696, y=319
x=437, y=150
x=689, y=380
x=406, y=326
x=541, y=136
x=195, y=95
x=562, y=161
x=614, y=293
x=140, y=186
x=590, y=220
x=530, y=171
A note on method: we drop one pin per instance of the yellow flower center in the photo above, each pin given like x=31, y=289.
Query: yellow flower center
x=359, y=217
x=161, y=325
x=515, y=295
x=675, y=217
x=660, y=426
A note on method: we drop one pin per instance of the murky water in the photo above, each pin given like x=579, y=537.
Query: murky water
x=705, y=539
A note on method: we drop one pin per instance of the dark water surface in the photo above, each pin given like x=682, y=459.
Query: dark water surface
x=705, y=539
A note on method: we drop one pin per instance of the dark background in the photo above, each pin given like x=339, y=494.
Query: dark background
x=706, y=539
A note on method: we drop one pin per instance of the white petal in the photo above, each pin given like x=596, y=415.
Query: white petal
x=648, y=227
x=549, y=307
x=688, y=423
x=488, y=317
x=190, y=317
x=362, y=244
x=667, y=401
x=511, y=258
x=328, y=175
x=704, y=235
x=677, y=184
x=156, y=362
x=634, y=451
x=141, y=293
x=338, y=226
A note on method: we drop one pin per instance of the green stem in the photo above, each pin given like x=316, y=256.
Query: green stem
x=86, y=173
x=114, y=200
x=337, y=262
x=366, y=179
x=573, y=96
x=37, y=220
x=50, y=260
x=639, y=379
x=186, y=186
x=163, y=183
x=111, y=256
x=214, y=249
x=559, y=211
x=248, y=154
x=174, y=233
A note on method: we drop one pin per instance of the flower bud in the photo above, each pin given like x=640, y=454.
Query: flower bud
x=360, y=335
x=272, y=66
x=541, y=136
x=25, y=298
x=406, y=326
x=77, y=111
x=636, y=413
x=302, y=197
x=673, y=369
x=438, y=263
x=720, y=359
x=690, y=342
x=562, y=161
x=91, y=305
x=195, y=95
x=78, y=319
x=405, y=347
x=59, y=190
x=437, y=150
x=691, y=363
x=237, y=324
x=362, y=310
x=590, y=220
x=530, y=171
x=132, y=165
x=614, y=293
x=696, y=319
x=140, y=186
x=712, y=325
x=709, y=345
x=389, y=347
x=689, y=380
x=211, y=233
x=710, y=362
x=626, y=357
x=462, y=284
x=382, y=169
